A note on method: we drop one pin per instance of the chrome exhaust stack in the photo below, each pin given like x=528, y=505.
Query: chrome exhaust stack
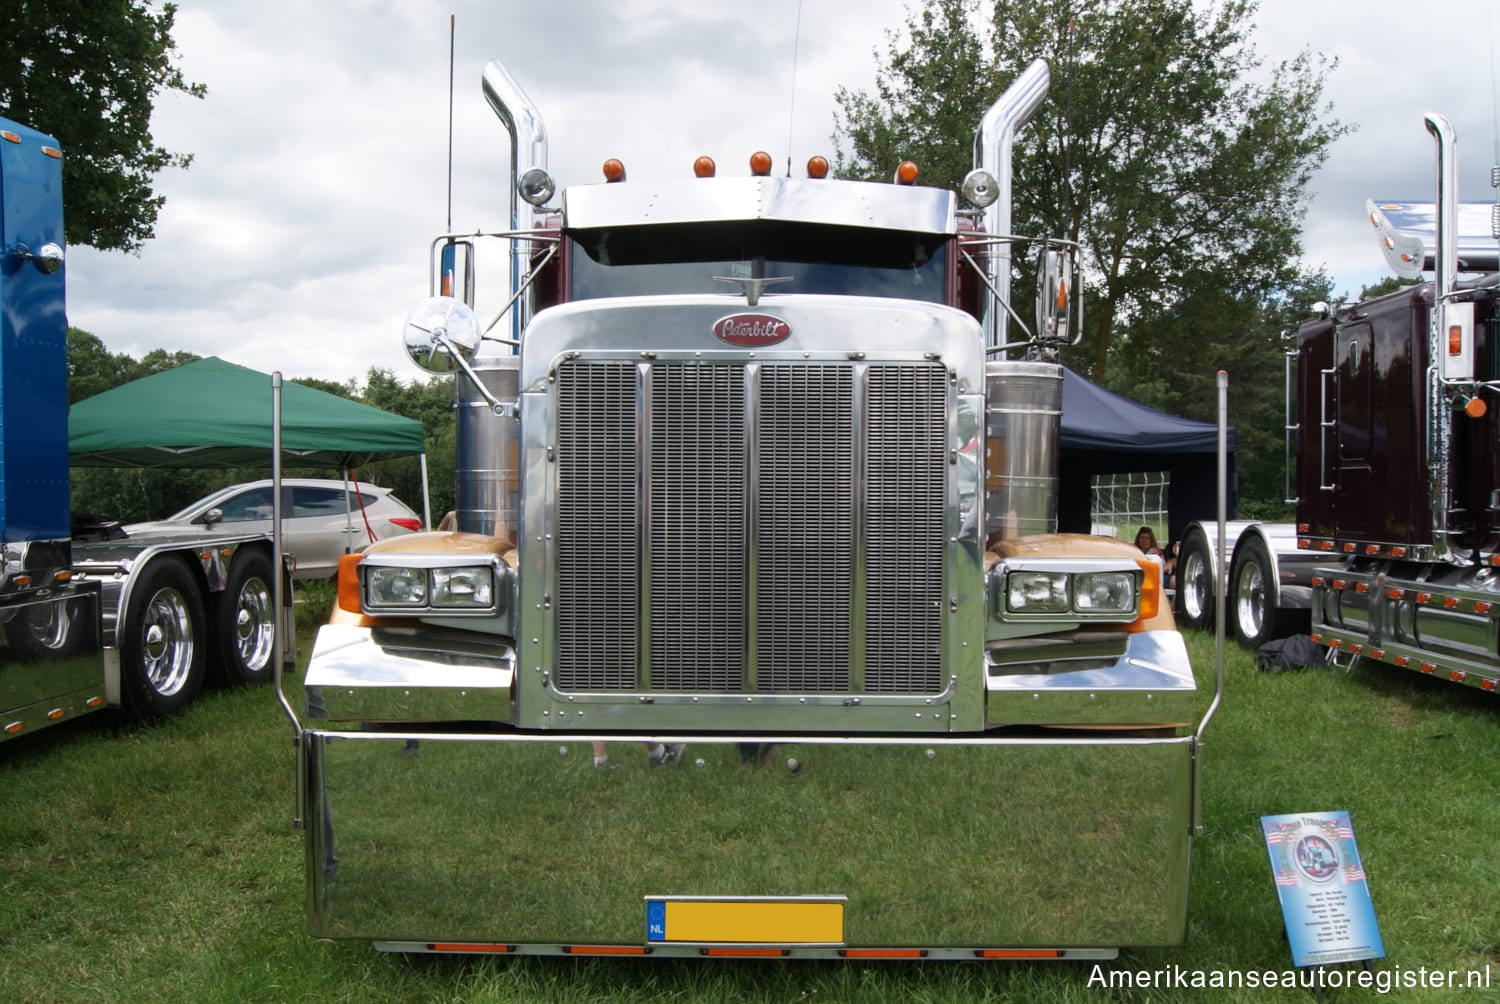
x=1444, y=273
x=994, y=145
x=528, y=151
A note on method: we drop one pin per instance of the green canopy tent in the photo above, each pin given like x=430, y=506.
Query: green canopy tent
x=212, y=413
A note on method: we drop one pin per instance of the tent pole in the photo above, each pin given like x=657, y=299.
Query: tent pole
x=426, y=495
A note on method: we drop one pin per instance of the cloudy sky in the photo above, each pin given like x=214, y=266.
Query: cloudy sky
x=299, y=237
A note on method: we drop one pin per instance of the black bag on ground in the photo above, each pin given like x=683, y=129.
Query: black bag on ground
x=1295, y=652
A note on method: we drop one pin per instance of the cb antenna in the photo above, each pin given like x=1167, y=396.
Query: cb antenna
x=791, y=113
x=452, y=31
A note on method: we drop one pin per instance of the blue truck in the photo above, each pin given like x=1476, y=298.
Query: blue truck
x=100, y=621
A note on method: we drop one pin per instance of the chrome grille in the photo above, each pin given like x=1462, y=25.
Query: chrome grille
x=804, y=527
x=696, y=518
x=904, y=436
x=598, y=559
x=777, y=527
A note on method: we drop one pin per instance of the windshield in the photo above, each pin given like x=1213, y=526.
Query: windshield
x=644, y=260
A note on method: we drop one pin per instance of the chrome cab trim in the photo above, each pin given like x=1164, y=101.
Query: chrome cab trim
x=862, y=204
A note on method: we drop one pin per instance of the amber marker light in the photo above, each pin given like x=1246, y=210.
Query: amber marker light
x=907, y=173
x=349, y=583
x=760, y=164
x=1475, y=407
x=817, y=167
x=703, y=167
x=614, y=170
x=1455, y=339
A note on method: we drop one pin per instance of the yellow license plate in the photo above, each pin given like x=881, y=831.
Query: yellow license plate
x=793, y=920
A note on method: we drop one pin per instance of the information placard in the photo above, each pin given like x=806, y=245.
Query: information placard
x=1325, y=900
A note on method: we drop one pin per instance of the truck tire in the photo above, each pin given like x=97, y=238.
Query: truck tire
x=246, y=620
x=1195, y=582
x=160, y=635
x=1254, y=616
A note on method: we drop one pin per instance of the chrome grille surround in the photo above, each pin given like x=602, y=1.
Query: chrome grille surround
x=718, y=506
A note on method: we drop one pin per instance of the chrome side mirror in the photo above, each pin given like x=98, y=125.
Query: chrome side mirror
x=441, y=335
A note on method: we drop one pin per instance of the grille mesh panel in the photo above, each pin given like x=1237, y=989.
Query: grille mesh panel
x=904, y=434
x=598, y=557
x=789, y=480
x=805, y=527
x=697, y=528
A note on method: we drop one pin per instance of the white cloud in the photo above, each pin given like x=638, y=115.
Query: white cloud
x=299, y=237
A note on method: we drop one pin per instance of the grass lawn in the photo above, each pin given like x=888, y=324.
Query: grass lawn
x=158, y=863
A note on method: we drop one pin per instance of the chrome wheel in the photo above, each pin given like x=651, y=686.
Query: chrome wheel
x=167, y=642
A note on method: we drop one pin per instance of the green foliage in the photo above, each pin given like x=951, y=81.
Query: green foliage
x=88, y=73
x=1156, y=151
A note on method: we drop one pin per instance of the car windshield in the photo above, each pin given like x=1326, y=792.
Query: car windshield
x=695, y=258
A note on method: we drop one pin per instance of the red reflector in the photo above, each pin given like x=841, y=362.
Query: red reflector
x=1377, y=653
x=1403, y=660
x=883, y=953
x=1455, y=676
x=1325, y=545
x=407, y=523
x=1362, y=587
x=1317, y=639
x=1394, y=593
x=1481, y=607
x=1423, y=597
x=1486, y=684
x=1450, y=602
x=1018, y=953
x=747, y=953
x=1303, y=527
x=1340, y=583
x=1303, y=543
x=1398, y=552
x=459, y=946
x=1428, y=667
x=1349, y=548
x=605, y=949
x=1355, y=649
x=1335, y=642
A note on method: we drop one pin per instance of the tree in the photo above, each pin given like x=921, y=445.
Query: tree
x=88, y=72
x=1157, y=153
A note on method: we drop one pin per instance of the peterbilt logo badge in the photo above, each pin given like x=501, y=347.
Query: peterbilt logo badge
x=751, y=330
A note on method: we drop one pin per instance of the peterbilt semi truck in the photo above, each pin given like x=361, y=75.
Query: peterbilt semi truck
x=1393, y=463
x=755, y=636
x=101, y=621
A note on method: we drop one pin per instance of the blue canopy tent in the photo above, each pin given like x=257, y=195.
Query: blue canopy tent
x=1104, y=433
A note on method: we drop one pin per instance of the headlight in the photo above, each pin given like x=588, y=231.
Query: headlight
x=473, y=586
x=1036, y=592
x=1104, y=592
x=1070, y=589
x=399, y=587
x=399, y=583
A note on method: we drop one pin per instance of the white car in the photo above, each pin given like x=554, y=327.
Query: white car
x=322, y=520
